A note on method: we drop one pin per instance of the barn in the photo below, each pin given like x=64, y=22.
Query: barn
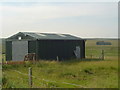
x=46, y=46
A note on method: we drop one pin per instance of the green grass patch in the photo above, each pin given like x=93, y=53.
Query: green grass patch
x=75, y=73
x=92, y=74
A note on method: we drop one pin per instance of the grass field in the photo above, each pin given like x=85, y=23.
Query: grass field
x=95, y=50
x=86, y=73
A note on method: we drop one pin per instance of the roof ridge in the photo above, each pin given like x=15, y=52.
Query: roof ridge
x=43, y=35
x=46, y=33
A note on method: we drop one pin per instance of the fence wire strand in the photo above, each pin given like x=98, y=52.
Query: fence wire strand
x=50, y=80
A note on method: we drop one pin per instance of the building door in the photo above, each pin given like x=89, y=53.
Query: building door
x=77, y=52
x=19, y=50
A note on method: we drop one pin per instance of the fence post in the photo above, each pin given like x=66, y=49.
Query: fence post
x=102, y=55
x=57, y=58
x=30, y=76
x=91, y=56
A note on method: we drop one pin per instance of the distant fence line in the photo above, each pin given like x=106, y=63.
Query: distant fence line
x=92, y=56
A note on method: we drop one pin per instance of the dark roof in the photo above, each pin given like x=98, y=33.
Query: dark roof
x=49, y=36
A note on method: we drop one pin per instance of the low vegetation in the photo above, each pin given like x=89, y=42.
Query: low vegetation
x=89, y=74
x=86, y=73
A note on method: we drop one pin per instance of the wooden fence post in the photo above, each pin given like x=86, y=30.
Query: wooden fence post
x=30, y=76
x=102, y=55
x=91, y=56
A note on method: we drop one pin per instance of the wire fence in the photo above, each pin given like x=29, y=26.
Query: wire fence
x=73, y=84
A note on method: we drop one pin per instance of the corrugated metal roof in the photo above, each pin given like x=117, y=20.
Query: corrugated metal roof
x=51, y=36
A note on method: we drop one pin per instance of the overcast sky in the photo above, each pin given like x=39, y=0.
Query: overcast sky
x=83, y=19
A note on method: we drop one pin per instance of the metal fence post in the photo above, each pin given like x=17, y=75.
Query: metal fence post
x=30, y=76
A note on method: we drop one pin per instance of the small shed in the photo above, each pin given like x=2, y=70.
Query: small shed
x=46, y=46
